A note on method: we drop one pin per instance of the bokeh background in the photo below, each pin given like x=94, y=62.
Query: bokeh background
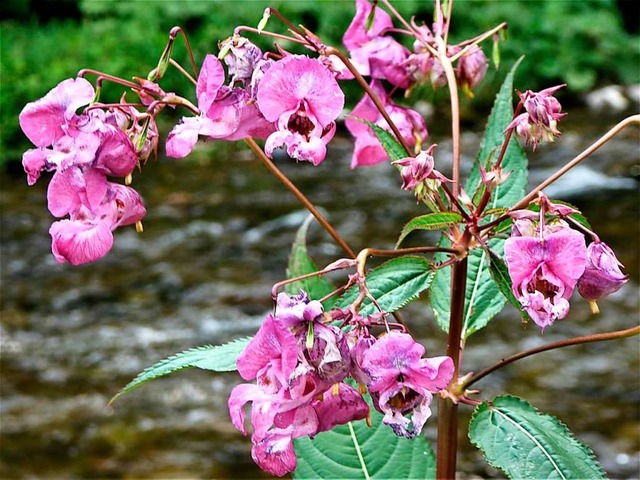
x=219, y=228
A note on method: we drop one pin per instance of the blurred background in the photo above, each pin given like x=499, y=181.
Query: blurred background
x=219, y=228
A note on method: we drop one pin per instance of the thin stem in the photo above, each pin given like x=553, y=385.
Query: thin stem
x=183, y=71
x=455, y=113
x=172, y=34
x=477, y=40
x=411, y=29
x=592, y=148
x=595, y=146
x=266, y=33
x=374, y=98
x=447, y=410
x=598, y=337
x=300, y=196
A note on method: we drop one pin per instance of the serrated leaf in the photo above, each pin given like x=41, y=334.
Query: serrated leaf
x=514, y=161
x=527, y=444
x=356, y=451
x=393, y=284
x=483, y=299
x=500, y=275
x=300, y=264
x=430, y=221
x=388, y=141
x=219, y=358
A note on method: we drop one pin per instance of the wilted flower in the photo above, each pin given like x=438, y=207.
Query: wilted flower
x=602, y=275
x=301, y=96
x=416, y=170
x=472, y=67
x=540, y=120
x=544, y=270
x=403, y=382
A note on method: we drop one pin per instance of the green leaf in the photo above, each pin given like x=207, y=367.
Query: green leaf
x=430, y=221
x=482, y=296
x=220, y=358
x=514, y=161
x=300, y=264
x=387, y=139
x=393, y=284
x=483, y=299
x=500, y=275
x=527, y=444
x=356, y=451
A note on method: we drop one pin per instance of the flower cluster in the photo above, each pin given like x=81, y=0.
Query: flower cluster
x=83, y=150
x=292, y=102
x=301, y=362
x=547, y=259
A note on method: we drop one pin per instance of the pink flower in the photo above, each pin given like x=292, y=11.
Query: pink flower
x=47, y=120
x=368, y=150
x=226, y=113
x=602, y=275
x=372, y=53
x=302, y=97
x=403, y=382
x=471, y=68
x=95, y=208
x=416, y=170
x=541, y=118
x=544, y=271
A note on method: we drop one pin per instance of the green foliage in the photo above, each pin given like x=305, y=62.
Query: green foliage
x=219, y=358
x=483, y=299
x=527, y=444
x=357, y=451
x=300, y=264
x=430, y=221
x=393, y=284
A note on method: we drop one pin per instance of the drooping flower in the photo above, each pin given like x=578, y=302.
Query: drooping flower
x=544, y=270
x=367, y=149
x=416, y=170
x=302, y=97
x=295, y=393
x=226, y=112
x=402, y=382
x=602, y=275
x=372, y=53
x=540, y=120
x=95, y=208
x=471, y=68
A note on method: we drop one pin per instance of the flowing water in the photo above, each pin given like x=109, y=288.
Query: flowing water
x=216, y=238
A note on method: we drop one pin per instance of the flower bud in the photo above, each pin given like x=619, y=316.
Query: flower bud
x=602, y=275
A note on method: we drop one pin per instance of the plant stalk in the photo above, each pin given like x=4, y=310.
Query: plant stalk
x=447, y=410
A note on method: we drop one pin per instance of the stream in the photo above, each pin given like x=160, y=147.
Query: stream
x=217, y=236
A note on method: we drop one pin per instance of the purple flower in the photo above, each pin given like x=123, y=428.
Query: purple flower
x=540, y=120
x=403, y=382
x=544, y=272
x=357, y=33
x=602, y=275
x=302, y=97
x=368, y=150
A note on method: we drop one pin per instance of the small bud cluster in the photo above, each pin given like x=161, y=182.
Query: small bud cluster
x=300, y=362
